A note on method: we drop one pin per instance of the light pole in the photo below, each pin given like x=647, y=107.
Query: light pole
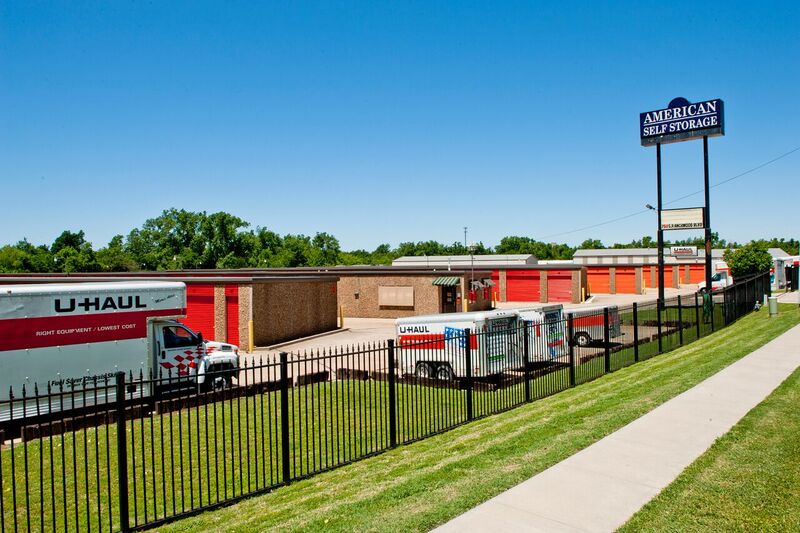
x=660, y=238
x=471, y=266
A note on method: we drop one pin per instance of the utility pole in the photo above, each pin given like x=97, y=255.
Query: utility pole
x=465, y=237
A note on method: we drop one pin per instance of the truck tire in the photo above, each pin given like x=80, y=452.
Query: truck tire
x=582, y=339
x=423, y=370
x=445, y=373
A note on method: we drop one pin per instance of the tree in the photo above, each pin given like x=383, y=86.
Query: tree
x=752, y=258
x=591, y=244
x=325, y=250
x=12, y=259
x=114, y=257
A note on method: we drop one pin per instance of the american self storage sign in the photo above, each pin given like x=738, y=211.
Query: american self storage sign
x=682, y=121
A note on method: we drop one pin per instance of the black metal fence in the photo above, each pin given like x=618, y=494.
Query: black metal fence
x=132, y=451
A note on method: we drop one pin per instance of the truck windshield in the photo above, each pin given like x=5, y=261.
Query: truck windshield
x=178, y=337
x=716, y=277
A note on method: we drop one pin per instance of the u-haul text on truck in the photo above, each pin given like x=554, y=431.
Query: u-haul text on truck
x=69, y=335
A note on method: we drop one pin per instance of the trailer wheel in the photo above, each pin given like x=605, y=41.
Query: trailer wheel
x=582, y=339
x=445, y=373
x=423, y=370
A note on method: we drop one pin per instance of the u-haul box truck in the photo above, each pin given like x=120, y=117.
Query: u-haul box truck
x=588, y=324
x=435, y=345
x=66, y=335
x=546, y=333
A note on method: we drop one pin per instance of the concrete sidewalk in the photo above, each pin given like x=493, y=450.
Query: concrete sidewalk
x=602, y=486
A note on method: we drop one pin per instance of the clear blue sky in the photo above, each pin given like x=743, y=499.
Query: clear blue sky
x=389, y=122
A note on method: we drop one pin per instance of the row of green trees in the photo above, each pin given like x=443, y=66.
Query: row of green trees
x=180, y=239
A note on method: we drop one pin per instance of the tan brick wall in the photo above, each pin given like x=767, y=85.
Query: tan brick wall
x=576, y=286
x=290, y=310
x=503, y=285
x=220, y=314
x=639, y=279
x=427, y=297
x=543, y=286
x=612, y=280
x=245, y=314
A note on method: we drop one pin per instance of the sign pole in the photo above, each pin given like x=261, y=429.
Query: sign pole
x=660, y=234
x=707, y=214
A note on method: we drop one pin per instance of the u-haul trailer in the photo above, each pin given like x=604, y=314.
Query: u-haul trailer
x=75, y=335
x=588, y=324
x=547, y=331
x=435, y=345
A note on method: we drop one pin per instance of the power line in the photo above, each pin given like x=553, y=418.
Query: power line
x=611, y=221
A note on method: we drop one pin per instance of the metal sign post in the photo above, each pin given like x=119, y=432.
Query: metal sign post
x=683, y=121
x=707, y=214
x=660, y=235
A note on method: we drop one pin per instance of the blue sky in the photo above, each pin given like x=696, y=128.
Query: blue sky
x=389, y=122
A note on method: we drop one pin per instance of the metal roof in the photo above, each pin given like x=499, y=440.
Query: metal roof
x=465, y=260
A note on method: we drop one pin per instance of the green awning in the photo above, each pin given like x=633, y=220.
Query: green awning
x=447, y=281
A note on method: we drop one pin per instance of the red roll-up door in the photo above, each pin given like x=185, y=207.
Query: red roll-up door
x=667, y=276
x=697, y=273
x=522, y=285
x=626, y=280
x=200, y=308
x=559, y=286
x=232, y=313
x=599, y=279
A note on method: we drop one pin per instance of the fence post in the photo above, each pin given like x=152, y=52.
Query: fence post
x=468, y=362
x=658, y=325
x=122, y=454
x=680, y=321
x=635, y=332
x=392, y=397
x=285, y=416
x=697, y=315
x=606, y=341
x=711, y=306
x=526, y=358
x=570, y=335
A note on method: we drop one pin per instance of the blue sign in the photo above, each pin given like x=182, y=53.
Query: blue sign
x=682, y=121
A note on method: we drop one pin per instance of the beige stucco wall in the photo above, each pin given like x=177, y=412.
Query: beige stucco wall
x=289, y=310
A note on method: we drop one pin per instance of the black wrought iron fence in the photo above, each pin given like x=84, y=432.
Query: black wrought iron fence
x=132, y=451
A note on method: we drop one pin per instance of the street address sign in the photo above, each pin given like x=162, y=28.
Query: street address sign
x=690, y=218
x=682, y=121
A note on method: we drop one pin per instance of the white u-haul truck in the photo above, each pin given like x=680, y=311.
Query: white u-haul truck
x=73, y=335
x=434, y=346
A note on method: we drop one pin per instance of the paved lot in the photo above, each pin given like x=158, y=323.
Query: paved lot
x=602, y=486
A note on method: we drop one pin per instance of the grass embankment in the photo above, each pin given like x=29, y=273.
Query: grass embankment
x=419, y=486
x=749, y=480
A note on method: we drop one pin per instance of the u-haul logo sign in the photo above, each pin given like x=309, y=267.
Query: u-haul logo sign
x=98, y=303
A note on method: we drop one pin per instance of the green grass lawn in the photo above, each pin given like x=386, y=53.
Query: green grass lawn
x=419, y=486
x=749, y=480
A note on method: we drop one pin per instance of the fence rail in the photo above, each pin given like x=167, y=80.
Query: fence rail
x=132, y=451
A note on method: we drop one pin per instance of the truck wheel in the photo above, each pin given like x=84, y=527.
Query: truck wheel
x=423, y=370
x=445, y=373
x=222, y=382
x=582, y=339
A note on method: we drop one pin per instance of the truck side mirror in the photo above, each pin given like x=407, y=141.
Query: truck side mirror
x=199, y=337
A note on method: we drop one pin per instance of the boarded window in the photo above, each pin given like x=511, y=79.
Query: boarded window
x=396, y=296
